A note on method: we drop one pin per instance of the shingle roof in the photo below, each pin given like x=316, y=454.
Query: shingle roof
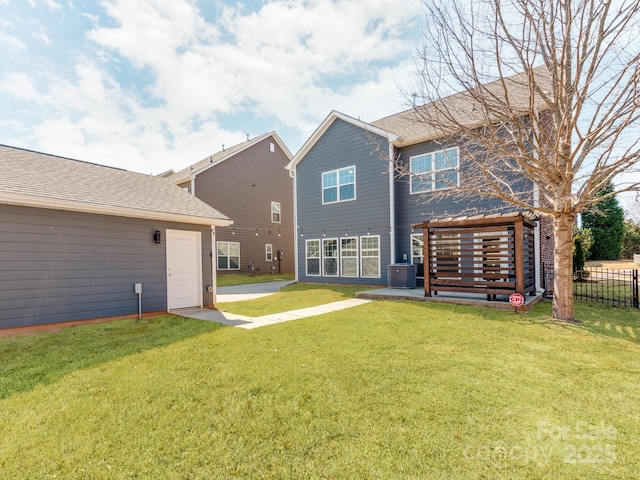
x=410, y=126
x=42, y=180
x=194, y=169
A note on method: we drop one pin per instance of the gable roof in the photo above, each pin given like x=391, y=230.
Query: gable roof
x=217, y=158
x=411, y=127
x=324, y=126
x=41, y=180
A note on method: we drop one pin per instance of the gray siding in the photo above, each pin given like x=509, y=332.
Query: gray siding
x=344, y=145
x=243, y=187
x=415, y=208
x=60, y=266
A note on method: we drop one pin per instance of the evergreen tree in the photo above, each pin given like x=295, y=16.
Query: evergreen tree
x=606, y=221
x=631, y=242
x=578, y=258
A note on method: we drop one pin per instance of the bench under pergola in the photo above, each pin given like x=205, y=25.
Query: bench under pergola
x=487, y=254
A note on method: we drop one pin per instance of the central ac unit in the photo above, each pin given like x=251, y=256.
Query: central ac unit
x=401, y=275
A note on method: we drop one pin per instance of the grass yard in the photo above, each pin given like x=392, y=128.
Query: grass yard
x=385, y=390
x=293, y=297
x=40, y=359
x=243, y=279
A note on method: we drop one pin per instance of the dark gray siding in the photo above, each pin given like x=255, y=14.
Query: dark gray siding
x=243, y=187
x=60, y=266
x=411, y=209
x=344, y=145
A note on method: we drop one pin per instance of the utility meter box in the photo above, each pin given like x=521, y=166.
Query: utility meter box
x=137, y=288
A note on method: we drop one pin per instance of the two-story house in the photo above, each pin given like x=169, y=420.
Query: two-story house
x=249, y=182
x=354, y=213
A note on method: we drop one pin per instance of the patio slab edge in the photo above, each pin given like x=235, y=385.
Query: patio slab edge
x=418, y=295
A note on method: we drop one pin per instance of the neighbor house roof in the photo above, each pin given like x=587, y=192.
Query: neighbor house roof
x=413, y=126
x=219, y=157
x=35, y=179
x=324, y=126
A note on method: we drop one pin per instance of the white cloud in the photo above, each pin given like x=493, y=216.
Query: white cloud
x=53, y=5
x=282, y=58
x=19, y=85
x=12, y=42
x=289, y=63
x=43, y=37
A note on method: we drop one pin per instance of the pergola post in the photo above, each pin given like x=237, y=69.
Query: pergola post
x=426, y=260
x=519, y=254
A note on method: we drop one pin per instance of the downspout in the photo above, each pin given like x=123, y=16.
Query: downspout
x=392, y=205
x=193, y=185
x=292, y=174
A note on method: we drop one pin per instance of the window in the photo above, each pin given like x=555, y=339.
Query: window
x=434, y=171
x=417, y=250
x=313, y=257
x=349, y=257
x=417, y=253
x=268, y=252
x=339, y=185
x=330, y=257
x=228, y=256
x=275, y=212
x=370, y=256
x=272, y=147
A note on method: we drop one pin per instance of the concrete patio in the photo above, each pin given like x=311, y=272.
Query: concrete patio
x=473, y=299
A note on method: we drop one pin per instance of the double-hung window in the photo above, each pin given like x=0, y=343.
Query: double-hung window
x=330, y=257
x=313, y=257
x=228, y=256
x=370, y=256
x=275, y=212
x=435, y=170
x=339, y=185
x=349, y=257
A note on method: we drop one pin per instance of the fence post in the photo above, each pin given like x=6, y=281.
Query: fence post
x=634, y=289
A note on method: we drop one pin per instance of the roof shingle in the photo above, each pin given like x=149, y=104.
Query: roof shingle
x=38, y=179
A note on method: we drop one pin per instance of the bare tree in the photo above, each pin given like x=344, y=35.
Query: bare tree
x=550, y=92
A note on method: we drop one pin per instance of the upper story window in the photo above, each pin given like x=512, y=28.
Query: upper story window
x=339, y=185
x=275, y=212
x=434, y=171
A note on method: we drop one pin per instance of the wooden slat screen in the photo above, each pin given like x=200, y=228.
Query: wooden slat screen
x=496, y=258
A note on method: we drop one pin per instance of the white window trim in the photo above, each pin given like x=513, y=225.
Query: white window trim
x=306, y=257
x=337, y=257
x=362, y=257
x=279, y=212
x=337, y=170
x=433, y=171
x=357, y=257
x=268, y=252
x=421, y=235
x=228, y=263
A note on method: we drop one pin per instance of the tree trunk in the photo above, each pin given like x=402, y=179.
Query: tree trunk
x=563, y=267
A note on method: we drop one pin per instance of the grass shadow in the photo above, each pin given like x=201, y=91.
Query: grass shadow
x=42, y=358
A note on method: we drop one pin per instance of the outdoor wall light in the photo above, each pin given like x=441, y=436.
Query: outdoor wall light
x=156, y=236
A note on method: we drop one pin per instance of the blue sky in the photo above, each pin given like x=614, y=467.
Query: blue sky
x=149, y=85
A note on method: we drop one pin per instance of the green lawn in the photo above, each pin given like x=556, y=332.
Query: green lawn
x=243, y=279
x=385, y=390
x=292, y=297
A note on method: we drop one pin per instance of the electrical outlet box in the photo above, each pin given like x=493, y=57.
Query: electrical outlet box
x=137, y=288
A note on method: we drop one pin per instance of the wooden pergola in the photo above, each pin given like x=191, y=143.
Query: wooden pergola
x=492, y=255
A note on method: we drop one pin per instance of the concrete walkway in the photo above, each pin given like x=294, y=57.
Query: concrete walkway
x=239, y=293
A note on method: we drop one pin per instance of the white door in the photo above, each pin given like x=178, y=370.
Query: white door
x=183, y=269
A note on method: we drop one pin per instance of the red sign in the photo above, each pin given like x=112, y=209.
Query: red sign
x=516, y=299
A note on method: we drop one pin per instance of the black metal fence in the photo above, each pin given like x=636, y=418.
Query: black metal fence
x=613, y=287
